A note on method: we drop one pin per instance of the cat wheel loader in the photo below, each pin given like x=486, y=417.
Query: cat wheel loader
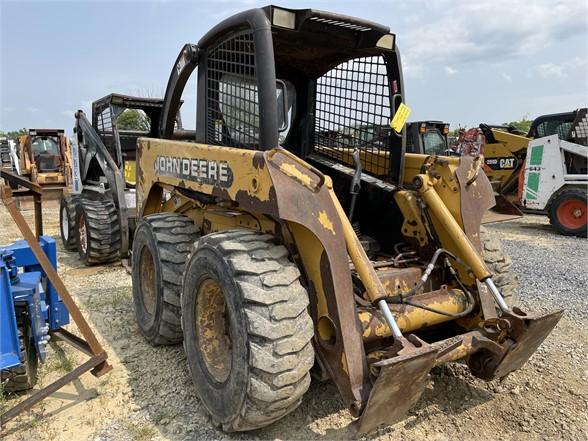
x=268, y=248
x=544, y=171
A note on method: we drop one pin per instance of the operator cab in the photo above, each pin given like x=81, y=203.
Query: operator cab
x=45, y=149
x=427, y=137
x=319, y=84
x=316, y=83
x=561, y=124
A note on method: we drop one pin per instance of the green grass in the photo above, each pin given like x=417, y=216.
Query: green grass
x=58, y=361
x=116, y=298
x=3, y=403
x=140, y=432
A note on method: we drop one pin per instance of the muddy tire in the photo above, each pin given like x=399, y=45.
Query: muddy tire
x=23, y=377
x=67, y=221
x=247, y=331
x=500, y=265
x=97, y=231
x=161, y=246
x=568, y=213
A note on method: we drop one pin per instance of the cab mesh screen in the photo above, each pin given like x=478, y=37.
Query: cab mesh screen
x=353, y=111
x=105, y=130
x=232, y=96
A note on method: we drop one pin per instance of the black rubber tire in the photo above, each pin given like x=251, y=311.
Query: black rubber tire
x=23, y=377
x=269, y=326
x=67, y=212
x=100, y=219
x=563, y=196
x=168, y=237
x=500, y=265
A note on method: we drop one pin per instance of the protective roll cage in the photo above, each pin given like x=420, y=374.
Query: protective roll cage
x=252, y=63
x=103, y=149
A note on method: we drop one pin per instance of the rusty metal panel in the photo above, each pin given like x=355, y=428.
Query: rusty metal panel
x=537, y=330
x=301, y=202
x=399, y=280
x=400, y=384
x=477, y=197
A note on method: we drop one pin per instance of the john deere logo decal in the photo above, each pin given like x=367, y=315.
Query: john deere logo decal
x=203, y=171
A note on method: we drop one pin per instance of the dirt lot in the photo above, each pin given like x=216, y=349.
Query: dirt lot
x=149, y=395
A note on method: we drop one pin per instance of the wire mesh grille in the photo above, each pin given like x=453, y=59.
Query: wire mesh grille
x=353, y=111
x=579, y=131
x=232, y=101
x=560, y=128
x=105, y=129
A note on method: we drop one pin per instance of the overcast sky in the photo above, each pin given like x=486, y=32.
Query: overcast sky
x=464, y=61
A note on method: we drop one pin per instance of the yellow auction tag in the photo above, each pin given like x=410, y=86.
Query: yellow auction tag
x=400, y=118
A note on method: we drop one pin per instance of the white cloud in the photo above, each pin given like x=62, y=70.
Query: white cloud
x=32, y=109
x=9, y=109
x=551, y=70
x=488, y=31
x=560, y=70
x=506, y=77
x=449, y=70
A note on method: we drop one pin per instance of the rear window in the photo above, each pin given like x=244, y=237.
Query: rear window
x=45, y=145
x=434, y=142
x=560, y=128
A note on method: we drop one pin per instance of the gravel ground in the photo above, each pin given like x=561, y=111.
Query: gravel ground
x=149, y=395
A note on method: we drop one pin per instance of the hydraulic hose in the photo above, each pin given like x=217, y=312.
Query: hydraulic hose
x=404, y=298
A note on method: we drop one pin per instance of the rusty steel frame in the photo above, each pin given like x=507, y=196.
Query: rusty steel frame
x=89, y=345
x=33, y=189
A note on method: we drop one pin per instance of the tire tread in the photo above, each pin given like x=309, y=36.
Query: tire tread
x=279, y=327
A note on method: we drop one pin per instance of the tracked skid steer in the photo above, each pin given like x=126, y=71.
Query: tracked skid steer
x=286, y=237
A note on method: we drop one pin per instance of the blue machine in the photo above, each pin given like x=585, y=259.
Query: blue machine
x=25, y=290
